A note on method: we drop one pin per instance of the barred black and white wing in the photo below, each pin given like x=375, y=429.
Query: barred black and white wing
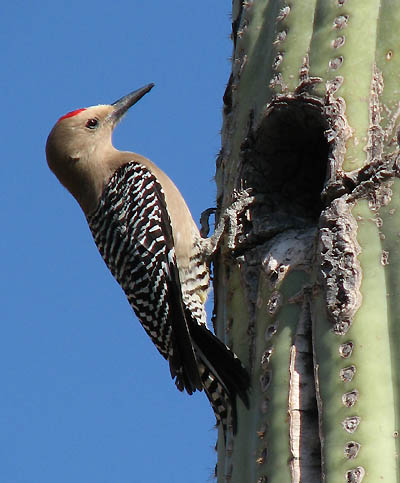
x=132, y=231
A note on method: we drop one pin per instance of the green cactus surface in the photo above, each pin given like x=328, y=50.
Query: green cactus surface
x=310, y=297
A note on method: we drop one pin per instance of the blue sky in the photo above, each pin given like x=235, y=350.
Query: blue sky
x=85, y=396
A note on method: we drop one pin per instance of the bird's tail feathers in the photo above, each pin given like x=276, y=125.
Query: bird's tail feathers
x=222, y=374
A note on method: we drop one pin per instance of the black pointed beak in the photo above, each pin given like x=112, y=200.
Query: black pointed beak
x=123, y=104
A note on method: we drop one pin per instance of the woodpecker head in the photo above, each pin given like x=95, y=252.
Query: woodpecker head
x=79, y=148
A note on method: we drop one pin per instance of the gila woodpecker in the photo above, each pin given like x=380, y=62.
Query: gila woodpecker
x=149, y=241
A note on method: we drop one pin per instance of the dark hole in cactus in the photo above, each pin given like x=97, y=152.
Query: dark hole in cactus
x=286, y=159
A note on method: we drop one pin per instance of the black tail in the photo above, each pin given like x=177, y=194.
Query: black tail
x=222, y=374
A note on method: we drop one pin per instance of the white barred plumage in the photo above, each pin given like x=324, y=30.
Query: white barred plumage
x=127, y=229
x=132, y=230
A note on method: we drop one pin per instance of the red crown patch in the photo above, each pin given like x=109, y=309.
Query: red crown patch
x=71, y=114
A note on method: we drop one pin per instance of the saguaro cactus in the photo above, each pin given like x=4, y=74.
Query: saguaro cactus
x=310, y=298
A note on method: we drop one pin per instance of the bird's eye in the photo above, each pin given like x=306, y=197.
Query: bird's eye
x=92, y=123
